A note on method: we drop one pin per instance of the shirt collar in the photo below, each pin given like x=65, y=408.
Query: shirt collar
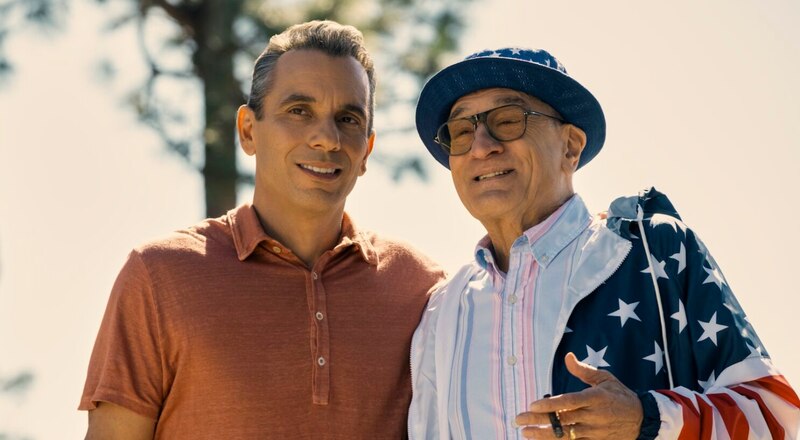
x=248, y=234
x=547, y=238
x=352, y=236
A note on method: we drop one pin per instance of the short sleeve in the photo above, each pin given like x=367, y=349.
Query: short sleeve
x=126, y=363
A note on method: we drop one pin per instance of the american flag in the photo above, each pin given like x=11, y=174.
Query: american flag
x=724, y=383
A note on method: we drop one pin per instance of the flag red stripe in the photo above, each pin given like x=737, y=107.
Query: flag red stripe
x=691, y=417
x=775, y=428
x=733, y=417
x=779, y=386
x=706, y=419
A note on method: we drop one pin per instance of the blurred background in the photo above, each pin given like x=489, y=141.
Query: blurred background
x=109, y=111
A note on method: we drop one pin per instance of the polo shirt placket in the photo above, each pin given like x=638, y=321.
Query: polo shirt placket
x=320, y=332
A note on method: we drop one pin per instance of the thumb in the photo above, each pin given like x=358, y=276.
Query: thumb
x=585, y=372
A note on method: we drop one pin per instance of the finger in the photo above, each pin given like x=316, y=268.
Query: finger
x=578, y=416
x=564, y=402
x=531, y=418
x=574, y=432
x=587, y=431
x=585, y=372
x=585, y=416
x=573, y=417
x=541, y=432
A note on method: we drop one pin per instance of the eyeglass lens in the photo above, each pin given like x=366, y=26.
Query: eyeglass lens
x=504, y=124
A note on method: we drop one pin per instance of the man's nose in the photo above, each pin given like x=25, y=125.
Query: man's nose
x=326, y=136
x=484, y=145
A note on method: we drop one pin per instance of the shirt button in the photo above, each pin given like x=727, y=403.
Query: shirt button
x=545, y=259
x=319, y=317
x=321, y=361
x=276, y=249
x=512, y=299
x=314, y=275
x=512, y=360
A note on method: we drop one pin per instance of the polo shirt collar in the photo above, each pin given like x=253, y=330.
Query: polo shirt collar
x=248, y=234
x=352, y=236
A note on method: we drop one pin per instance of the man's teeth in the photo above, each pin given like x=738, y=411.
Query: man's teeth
x=498, y=173
x=319, y=170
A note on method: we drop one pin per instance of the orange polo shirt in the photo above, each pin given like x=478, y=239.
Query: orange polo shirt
x=219, y=331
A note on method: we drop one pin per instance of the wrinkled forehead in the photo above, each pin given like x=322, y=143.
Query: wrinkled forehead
x=487, y=99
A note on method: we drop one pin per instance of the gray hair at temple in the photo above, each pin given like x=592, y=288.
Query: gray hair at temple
x=326, y=36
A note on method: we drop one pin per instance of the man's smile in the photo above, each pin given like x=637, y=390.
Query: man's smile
x=492, y=174
x=325, y=171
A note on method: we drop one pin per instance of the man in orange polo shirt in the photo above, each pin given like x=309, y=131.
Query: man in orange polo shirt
x=280, y=319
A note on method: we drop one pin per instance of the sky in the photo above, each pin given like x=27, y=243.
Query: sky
x=701, y=101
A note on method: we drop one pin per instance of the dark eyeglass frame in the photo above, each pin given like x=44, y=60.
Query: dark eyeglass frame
x=481, y=117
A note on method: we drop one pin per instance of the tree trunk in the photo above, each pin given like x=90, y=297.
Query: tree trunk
x=214, y=62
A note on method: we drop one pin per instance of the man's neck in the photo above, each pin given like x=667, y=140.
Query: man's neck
x=504, y=230
x=307, y=234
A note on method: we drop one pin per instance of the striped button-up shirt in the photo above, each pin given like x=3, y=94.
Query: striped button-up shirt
x=498, y=321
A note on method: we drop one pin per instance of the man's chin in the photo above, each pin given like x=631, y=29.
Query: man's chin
x=492, y=211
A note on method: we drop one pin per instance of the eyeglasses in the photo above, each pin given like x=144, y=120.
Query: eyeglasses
x=506, y=123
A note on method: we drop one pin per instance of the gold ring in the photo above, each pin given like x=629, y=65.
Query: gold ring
x=572, y=434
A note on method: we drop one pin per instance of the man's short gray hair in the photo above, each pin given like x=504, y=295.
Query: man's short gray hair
x=326, y=36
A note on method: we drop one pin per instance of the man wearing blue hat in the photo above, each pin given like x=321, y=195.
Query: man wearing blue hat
x=625, y=319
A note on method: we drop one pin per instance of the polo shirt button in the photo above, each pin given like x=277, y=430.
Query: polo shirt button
x=319, y=317
x=321, y=361
x=545, y=259
x=512, y=299
x=314, y=275
x=276, y=249
x=512, y=360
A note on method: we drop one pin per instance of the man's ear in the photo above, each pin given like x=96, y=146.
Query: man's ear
x=370, y=144
x=575, y=142
x=245, y=120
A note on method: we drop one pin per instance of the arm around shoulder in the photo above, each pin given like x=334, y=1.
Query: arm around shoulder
x=109, y=421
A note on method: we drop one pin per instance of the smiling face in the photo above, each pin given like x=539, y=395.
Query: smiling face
x=521, y=181
x=312, y=143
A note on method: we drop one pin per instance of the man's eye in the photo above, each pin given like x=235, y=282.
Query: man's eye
x=460, y=129
x=298, y=111
x=350, y=120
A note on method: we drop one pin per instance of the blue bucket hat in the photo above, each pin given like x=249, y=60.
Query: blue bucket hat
x=534, y=72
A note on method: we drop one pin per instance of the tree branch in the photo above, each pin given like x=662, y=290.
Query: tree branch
x=183, y=16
